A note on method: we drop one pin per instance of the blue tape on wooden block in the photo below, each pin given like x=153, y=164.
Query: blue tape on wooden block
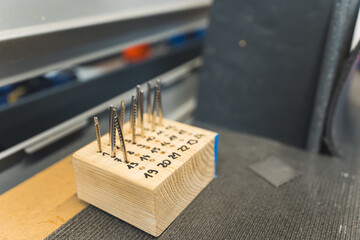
x=216, y=152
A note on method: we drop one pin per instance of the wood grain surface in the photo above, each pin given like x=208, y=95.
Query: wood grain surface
x=41, y=204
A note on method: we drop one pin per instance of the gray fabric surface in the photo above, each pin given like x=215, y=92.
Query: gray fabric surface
x=323, y=203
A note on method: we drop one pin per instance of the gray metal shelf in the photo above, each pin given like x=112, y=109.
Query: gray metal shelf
x=31, y=56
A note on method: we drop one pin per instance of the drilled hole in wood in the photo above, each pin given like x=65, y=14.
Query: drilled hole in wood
x=151, y=160
x=142, y=168
x=162, y=152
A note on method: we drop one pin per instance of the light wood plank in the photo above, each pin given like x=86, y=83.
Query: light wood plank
x=41, y=204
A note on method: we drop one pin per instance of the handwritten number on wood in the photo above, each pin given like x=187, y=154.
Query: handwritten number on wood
x=155, y=150
x=147, y=175
x=152, y=171
x=132, y=164
x=183, y=148
x=192, y=141
x=198, y=136
x=150, y=138
x=144, y=158
x=165, y=163
x=174, y=155
x=164, y=143
x=173, y=137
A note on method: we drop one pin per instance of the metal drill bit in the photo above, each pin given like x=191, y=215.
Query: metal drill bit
x=111, y=117
x=133, y=119
x=115, y=116
x=112, y=136
x=149, y=101
x=98, y=135
x=155, y=108
x=138, y=103
x=115, y=113
x=121, y=138
x=158, y=82
x=122, y=115
x=141, y=110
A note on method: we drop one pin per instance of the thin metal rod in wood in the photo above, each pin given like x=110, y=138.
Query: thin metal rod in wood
x=111, y=117
x=149, y=101
x=155, y=106
x=98, y=135
x=133, y=119
x=158, y=83
x=112, y=136
x=121, y=138
x=122, y=115
x=141, y=110
x=138, y=103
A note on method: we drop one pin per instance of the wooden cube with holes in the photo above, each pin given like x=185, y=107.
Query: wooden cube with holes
x=167, y=169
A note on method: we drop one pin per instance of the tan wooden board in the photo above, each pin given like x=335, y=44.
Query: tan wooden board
x=41, y=204
x=167, y=169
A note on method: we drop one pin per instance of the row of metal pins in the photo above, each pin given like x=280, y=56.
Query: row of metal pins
x=114, y=123
x=136, y=115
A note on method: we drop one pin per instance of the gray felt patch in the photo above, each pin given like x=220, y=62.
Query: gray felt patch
x=275, y=171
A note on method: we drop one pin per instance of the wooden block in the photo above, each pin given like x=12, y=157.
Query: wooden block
x=167, y=170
